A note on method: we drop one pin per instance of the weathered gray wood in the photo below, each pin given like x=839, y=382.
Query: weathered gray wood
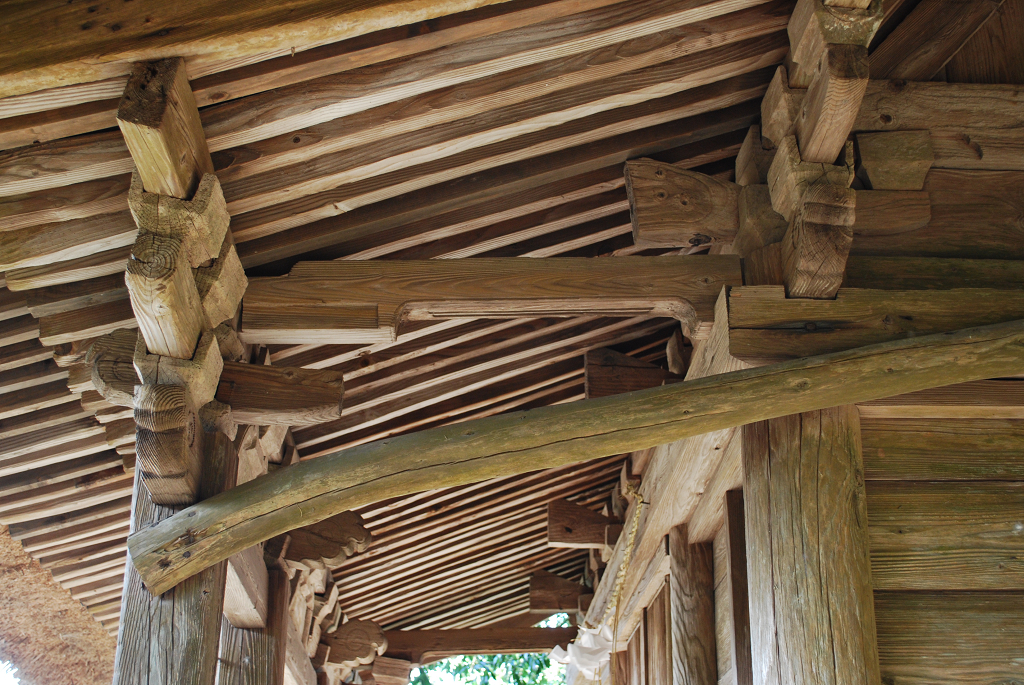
x=692, y=582
x=542, y=438
x=806, y=522
x=257, y=656
x=172, y=638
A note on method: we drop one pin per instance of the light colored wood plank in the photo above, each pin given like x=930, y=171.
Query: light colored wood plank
x=946, y=536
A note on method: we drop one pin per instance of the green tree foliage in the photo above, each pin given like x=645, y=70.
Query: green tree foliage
x=496, y=669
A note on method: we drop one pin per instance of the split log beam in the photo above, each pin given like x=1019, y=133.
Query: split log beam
x=812, y=609
x=310, y=491
x=420, y=645
x=550, y=594
x=366, y=301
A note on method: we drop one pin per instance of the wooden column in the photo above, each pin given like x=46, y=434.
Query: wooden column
x=256, y=657
x=183, y=222
x=692, y=582
x=172, y=638
x=809, y=571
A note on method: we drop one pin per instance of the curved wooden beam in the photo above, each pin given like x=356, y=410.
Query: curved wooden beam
x=520, y=442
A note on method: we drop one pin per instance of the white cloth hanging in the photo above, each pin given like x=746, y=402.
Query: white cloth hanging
x=591, y=650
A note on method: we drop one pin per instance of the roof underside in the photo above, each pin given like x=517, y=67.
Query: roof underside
x=503, y=137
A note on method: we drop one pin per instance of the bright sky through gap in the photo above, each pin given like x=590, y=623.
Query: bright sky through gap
x=7, y=674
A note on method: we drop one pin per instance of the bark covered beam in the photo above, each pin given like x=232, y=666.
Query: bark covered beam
x=542, y=438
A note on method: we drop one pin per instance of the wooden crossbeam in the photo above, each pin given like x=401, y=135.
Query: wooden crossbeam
x=418, y=646
x=607, y=372
x=366, y=302
x=766, y=326
x=547, y=437
x=574, y=526
x=551, y=594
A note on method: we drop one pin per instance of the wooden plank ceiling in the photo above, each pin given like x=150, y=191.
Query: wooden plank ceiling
x=497, y=131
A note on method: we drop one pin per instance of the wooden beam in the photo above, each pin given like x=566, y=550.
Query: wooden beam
x=766, y=326
x=832, y=102
x=812, y=609
x=277, y=395
x=366, y=301
x=574, y=526
x=419, y=645
x=607, y=372
x=692, y=583
x=734, y=528
x=505, y=445
x=256, y=656
x=671, y=206
x=928, y=37
x=160, y=123
x=551, y=594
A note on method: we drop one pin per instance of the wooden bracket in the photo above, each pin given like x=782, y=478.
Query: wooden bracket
x=817, y=244
x=551, y=594
x=671, y=206
x=790, y=176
